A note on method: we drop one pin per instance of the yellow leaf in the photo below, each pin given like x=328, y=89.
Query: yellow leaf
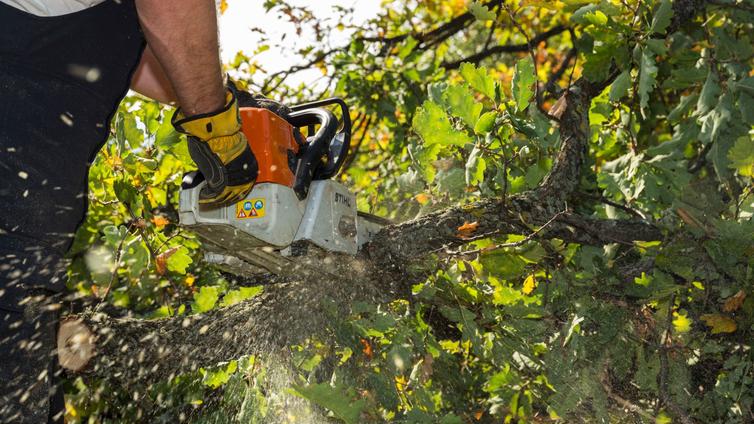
x=400, y=383
x=529, y=284
x=70, y=410
x=223, y=6
x=160, y=221
x=322, y=66
x=681, y=323
x=467, y=229
x=719, y=323
x=734, y=302
x=423, y=198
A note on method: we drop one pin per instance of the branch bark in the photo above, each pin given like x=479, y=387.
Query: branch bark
x=509, y=48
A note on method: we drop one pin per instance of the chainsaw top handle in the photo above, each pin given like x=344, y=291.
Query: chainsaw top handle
x=312, y=152
x=338, y=146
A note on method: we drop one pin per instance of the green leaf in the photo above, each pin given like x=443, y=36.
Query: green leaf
x=336, y=399
x=205, y=299
x=683, y=107
x=462, y=104
x=486, y=123
x=433, y=126
x=709, y=94
x=746, y=85
x=746, y=105
x=219, y=377
x=179, y=261
x=719, y=129
x=451, y=181
x=479, y=79
x=647, y=79
x=166, y=135
x=589, y=14
x=238, y=296
x=661, y=18
x=523, y=82
x=475, y=167
x=657, y=46
x=741, y=156
x=620, y=86
x=481, y=12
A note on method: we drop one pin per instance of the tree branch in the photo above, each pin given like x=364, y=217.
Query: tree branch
x=509, y=48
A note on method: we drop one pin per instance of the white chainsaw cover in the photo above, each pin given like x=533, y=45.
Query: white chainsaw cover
x=330, y=218
x=271, y=216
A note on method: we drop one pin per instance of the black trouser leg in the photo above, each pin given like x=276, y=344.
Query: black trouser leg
x=28, y=392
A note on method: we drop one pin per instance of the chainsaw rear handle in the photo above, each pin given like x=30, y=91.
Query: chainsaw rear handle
x=310, y=156
x=338, y=146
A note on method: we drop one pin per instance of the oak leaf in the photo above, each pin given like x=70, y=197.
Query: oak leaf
x=467, y=229
x=719, y=323
x=161, y=261
x=734, y=302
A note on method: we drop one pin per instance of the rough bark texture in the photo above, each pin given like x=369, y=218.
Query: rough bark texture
x=130, y=350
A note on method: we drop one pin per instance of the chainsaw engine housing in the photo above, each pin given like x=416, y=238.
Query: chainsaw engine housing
x=293, y=205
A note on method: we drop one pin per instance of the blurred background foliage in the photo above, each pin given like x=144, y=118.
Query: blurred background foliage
x=449, y=101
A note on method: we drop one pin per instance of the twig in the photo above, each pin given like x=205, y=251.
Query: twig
x=150, y=248
x=637, y=213
x=552, y=81
x=355, y=149
x=508, y=48
x=624, y=403
x=113, y=275
x=519, y=243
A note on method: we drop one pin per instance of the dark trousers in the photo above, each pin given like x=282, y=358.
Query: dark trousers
x=61, y=79
x=29, y=374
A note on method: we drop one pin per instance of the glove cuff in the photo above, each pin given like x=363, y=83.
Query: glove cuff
x=223, y=122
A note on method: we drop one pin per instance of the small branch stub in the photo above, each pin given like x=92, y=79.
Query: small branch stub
x=75, y=345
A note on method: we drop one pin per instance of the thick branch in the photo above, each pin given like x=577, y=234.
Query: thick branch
x=398, y=244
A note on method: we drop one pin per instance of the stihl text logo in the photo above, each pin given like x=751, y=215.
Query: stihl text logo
x=339, y=198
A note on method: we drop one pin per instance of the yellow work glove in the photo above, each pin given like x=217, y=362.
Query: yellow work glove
x=221, y=152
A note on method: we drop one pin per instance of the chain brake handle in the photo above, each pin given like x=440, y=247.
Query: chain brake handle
x=333, y=138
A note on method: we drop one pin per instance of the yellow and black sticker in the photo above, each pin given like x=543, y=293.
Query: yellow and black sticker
x=251, y=208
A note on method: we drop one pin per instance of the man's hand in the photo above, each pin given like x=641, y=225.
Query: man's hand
x=221, y=152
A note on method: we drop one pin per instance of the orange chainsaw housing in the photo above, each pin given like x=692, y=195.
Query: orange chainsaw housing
x=272, y=141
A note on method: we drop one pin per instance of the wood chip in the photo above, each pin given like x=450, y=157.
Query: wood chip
x=75, y=345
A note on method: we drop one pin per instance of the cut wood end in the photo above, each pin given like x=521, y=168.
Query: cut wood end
x=75, y=345
x=559, y=107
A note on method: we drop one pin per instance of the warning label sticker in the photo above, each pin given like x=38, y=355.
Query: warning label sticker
x=250, y=208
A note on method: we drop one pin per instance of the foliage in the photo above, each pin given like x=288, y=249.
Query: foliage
x=540, y=330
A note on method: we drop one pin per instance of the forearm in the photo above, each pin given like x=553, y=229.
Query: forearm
x=183, y=38
x=150, y=79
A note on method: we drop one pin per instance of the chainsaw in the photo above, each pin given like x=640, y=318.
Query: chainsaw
x=295, y=210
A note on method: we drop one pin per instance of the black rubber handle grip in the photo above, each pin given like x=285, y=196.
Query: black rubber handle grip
x=339, y=145
x=310, y=158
